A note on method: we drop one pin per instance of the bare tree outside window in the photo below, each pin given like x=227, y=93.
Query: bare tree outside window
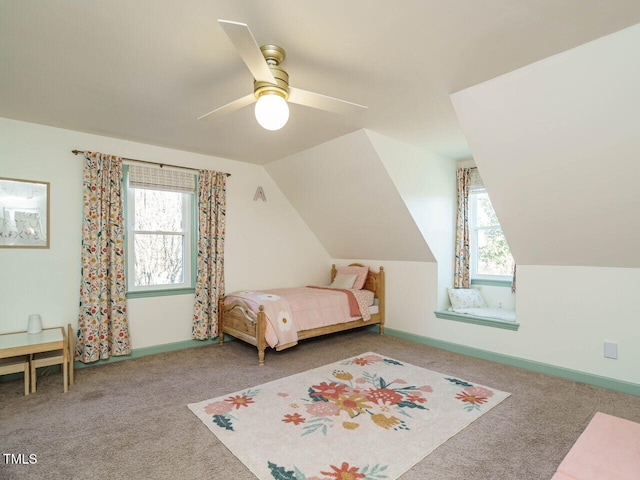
x=159, y=237
x=493, y=253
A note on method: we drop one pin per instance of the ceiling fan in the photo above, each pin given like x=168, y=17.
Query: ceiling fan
x=271, y=89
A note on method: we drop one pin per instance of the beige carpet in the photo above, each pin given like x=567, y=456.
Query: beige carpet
x=129, y=420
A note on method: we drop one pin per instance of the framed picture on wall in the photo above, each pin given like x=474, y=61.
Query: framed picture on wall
x=24, y=213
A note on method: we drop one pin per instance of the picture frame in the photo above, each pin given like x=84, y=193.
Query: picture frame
x=24, y=213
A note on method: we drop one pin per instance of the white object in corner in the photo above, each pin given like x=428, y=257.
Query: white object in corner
x=35, y=324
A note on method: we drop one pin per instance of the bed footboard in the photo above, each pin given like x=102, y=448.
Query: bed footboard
x=239, y=321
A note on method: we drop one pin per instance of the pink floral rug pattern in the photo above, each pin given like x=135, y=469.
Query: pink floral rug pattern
x=368, y=417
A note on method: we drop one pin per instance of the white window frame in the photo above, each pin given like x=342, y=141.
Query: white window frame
x=473, y=240
x=189, y=248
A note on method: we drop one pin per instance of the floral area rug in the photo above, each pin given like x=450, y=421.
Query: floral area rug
x=364, y=418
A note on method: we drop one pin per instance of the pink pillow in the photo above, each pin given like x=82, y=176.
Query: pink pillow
x=361, y=273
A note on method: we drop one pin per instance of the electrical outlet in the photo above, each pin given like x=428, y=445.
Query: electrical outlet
x=611, y=350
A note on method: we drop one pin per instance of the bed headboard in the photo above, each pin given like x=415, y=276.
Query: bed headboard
x=374, y=281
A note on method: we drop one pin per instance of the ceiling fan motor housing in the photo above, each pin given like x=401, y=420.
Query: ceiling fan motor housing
x=273, y=54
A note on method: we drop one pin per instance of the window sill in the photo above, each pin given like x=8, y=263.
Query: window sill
x=161, y=293
x=492, y=283
x=477, y=320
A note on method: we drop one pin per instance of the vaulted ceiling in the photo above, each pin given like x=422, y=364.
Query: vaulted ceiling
x=144, y=70
x=343, y=191
x=558, y=146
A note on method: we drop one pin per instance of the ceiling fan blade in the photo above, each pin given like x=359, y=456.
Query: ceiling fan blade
x=230, y=107
x=249, y=50
x=323, y=102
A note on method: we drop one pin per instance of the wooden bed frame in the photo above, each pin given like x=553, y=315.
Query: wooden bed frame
x=237, y=320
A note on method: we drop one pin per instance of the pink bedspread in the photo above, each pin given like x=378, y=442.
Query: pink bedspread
x=290, y=310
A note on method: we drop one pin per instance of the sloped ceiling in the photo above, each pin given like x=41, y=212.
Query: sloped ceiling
x=558, y=146
x=145, y=70
x=343, y=191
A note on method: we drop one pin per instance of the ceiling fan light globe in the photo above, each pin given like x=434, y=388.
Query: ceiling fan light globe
x=272, y=111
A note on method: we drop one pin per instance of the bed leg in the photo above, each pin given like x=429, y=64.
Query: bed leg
x=261, y=328
x=381, y=298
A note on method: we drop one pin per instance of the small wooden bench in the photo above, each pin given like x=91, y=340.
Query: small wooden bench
x=608, y=449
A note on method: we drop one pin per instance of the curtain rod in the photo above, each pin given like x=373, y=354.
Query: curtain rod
x=76, y=152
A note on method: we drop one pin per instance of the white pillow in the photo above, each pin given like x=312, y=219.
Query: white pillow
x=466, y=298
x=362, y=273
x=344, y=280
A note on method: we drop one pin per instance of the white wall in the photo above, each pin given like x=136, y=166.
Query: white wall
x=267, y=244
x=411, y=292
x=344, y=193
x=565, y=312
x=498, y=297
x=363, y=181
x=558, y=148
x=427, y=184
x=557, y=145
x=565, y=315
x=583, y=307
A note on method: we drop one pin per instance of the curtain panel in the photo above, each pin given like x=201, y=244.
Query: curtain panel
x=469, y=180
x=103, y=328
x=210, y=265
x=461, y=265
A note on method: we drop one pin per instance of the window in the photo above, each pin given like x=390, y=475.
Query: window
x=491, y=258
x=160, y=232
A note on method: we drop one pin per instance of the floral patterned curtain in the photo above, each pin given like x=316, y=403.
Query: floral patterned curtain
x=212, y=209
x=461, y=267
x=103, y=329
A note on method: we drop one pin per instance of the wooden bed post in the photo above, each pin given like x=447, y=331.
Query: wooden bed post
x=381, y=297
x=261, y=328
x=221, y=320
x=334, y=272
